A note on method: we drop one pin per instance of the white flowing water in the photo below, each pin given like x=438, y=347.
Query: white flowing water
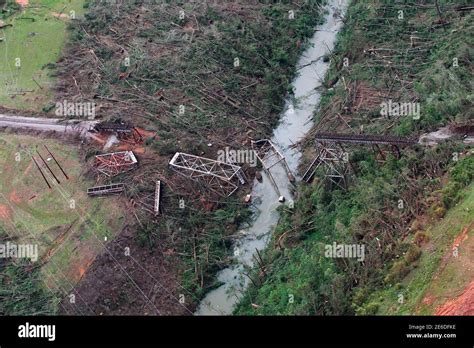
x=295, y=123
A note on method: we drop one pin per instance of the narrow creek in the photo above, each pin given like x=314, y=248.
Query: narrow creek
x=295, y=122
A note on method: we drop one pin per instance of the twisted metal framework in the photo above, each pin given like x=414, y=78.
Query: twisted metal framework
x=111, y=164
x=332, y=155
x=220, y=177
x=269, y=156
x=334, y=161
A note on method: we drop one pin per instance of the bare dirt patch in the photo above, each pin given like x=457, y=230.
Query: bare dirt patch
x=14, y=198
x=23, y=3
x=462, y=305
x=140, y=284
x=5, y=212
x=60, y=15
x=461, y=237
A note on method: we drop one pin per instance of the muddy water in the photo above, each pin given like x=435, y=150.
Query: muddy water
x=295, y=123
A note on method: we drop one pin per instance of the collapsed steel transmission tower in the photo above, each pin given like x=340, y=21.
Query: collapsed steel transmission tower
x=331, y=153
x=335, y=162
x=220, y=177
x=112, y=164
x=269, y=156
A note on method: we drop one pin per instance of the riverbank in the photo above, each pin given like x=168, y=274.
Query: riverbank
x=374, y=62
x=292, y=128
x=206, y=78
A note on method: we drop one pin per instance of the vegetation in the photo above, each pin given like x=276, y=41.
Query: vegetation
x=62, y=222
x=27, y=47
x=369, y=212
x=22, y=290
x=438, y=274
x=203, y=76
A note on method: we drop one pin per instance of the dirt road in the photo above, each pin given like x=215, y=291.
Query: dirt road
x=47, y=124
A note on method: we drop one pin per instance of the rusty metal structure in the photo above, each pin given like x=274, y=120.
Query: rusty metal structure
x=220, y=177
x=112, y=164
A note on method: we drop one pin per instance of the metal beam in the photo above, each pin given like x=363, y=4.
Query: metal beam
x=106, y=189
x=157, y=197
x=269, y=155
x=112, y=164
x=364, y=139
x=220, y=177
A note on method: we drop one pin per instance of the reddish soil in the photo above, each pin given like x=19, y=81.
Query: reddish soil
x=428, y=300
x=28, y=169
x=101, y=138
x=462, y=305
x=461, y=237
x=145, y=133
x=139, y=150
x=22, y=2
x=60, y=15
x=14, y=198
x=79, y=268
x=5, y=212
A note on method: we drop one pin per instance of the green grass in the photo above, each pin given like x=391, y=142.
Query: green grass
x=367, y=212
x=414, y=287
x=33, y=213
x=36, y=43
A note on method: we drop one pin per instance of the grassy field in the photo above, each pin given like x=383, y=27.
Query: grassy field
x=68, y=227
x=439, y=274
x=36, y=39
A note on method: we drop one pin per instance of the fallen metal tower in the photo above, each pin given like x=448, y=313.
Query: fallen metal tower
x=269, y=156
x=364, y=139
x=335, y=163
x=112, y=164
x=220, y=177
x=331, y=153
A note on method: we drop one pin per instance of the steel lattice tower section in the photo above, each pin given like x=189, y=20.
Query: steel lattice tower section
x=331, y=154
x=220, y=177
x=269, y=155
